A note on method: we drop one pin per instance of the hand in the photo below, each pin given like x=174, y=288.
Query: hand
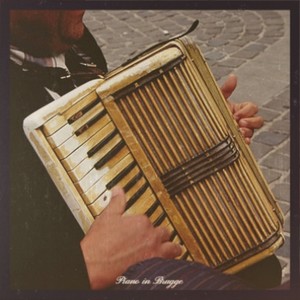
x=244, y=113
x=115, y=242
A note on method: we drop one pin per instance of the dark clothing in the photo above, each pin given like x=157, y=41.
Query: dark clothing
x=167, y=274
x=44, y=247
x=156, y=274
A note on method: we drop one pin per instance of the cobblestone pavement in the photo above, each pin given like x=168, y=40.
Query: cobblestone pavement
x=252, y=44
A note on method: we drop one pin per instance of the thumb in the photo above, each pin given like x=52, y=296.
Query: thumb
x=229, y=86
x=117, y=202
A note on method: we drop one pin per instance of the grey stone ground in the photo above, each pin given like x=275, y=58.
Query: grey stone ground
x=252, y=44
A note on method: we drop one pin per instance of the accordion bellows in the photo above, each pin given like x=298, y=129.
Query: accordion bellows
x=160, y=128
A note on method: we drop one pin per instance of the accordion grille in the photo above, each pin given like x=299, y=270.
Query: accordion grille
x=187, y=141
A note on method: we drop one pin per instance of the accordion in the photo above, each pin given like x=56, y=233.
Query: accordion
x=160, y=128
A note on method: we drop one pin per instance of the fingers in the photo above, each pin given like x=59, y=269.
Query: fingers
x=170, y=250
x=244, y=114
x=167, y=248
x=163, y=234
x=255, y=122
x=244, y=110
x=117, y=202
x=157, y=244
x=248, y=125
x=246, y=132
x=229, y=86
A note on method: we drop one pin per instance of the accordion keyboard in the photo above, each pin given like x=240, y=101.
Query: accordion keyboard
x=92, y=151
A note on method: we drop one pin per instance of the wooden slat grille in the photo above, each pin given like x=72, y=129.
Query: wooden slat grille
x=175, y=119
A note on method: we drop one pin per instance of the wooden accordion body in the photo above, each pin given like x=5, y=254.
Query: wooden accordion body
x=160, y=128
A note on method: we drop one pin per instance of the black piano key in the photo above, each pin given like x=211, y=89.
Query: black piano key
x=160, y=219
x=121, y=175
x=101, y=144
x=85, y=109
x=173, y=235
x=185, y=255
x=137, y=195
x=152, y=209
x=89, y=123
x=132, y=182
x=109, y=155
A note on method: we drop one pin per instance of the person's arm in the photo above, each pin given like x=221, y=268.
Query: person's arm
x=116, y=241
x=244, y=113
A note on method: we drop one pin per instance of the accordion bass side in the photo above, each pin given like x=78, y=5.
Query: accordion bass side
x=160, y=128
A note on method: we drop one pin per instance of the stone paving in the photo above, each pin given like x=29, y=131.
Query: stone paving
x=252, y=44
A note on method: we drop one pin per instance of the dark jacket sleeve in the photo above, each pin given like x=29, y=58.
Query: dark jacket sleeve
x=44, y=236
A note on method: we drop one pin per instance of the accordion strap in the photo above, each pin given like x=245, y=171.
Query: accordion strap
x=191, y=29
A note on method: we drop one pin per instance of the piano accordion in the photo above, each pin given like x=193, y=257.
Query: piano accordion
x=160, y=128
